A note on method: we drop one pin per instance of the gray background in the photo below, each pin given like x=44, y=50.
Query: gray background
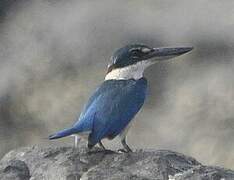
x=54, y=53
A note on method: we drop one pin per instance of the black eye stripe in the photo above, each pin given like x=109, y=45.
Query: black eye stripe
x=136, y=52
x=135, y=49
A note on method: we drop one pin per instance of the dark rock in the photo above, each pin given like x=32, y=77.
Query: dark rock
x=68, y=163
x=14, y=170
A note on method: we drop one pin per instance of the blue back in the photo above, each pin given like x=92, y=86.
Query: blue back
x=112, y=106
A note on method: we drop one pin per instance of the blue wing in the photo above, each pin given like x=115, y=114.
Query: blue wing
x=111, y=108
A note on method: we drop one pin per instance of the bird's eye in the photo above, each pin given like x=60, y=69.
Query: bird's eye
x=143, y=50
x=135, y=50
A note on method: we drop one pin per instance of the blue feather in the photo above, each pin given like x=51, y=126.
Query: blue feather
x=62, y=133
x=109, y=110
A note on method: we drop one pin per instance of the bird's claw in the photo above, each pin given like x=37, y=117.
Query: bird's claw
x=123, y=151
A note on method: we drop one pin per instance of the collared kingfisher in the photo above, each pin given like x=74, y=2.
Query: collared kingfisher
x=110, y=110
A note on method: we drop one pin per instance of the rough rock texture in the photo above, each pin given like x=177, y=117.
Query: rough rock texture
x=68, y=163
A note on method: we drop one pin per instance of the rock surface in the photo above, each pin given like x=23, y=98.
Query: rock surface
x=68, y=163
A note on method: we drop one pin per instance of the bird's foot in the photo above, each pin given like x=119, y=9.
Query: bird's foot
x=121, y=151
x=106, y=151
x=124, y=151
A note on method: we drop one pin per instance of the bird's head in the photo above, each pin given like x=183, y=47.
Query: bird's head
x=130, y=61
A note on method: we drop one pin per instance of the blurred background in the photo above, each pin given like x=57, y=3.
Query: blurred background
x=54, y=53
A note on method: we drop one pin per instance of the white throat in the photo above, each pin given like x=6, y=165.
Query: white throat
x=134, y=71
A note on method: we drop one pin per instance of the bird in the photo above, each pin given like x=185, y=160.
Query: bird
x=112, y=107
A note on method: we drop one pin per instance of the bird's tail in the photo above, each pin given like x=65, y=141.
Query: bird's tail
x=63, y=133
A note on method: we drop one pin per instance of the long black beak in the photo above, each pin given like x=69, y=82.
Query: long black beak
x=159, y=54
